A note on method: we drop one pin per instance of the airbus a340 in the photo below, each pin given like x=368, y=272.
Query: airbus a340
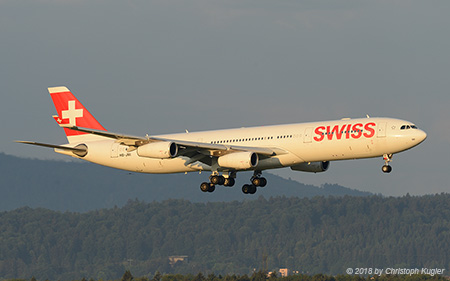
x=307, y=147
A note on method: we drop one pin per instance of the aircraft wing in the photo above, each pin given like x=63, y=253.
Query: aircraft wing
x=220, y=147
x=213, y=149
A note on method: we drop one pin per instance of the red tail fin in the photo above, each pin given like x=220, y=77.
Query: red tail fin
x=71, y=111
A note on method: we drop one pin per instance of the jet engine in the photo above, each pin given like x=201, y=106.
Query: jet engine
x=239, y=160
x=163, y=149
x=312, y=167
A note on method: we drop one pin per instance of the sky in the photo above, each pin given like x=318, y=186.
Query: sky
x=155, y=67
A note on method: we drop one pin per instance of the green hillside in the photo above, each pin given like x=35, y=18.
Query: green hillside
x=318, y=235
x=82, y=186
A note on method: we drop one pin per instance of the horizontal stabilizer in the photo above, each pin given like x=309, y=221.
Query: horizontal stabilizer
x=75, y=149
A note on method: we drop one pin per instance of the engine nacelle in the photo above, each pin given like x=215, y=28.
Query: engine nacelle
x=239, y=160
x=312, y=167
x=162, y=149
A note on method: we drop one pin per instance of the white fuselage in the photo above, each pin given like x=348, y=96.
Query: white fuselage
x=298, y=143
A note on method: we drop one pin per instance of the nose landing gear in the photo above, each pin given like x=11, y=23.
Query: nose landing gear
x=386, y=167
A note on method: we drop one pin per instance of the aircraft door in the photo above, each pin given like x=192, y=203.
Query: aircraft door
x=307, y=138
x=118, y=150
x=115, y=150
x=381, y=130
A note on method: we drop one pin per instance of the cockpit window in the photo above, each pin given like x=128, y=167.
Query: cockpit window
x=407, y=127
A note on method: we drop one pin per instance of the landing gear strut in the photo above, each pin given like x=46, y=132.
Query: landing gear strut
x=387, y=159
x=257, y=180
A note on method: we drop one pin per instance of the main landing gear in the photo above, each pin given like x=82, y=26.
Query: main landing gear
x=387, y=159
x=216, y=179
x=257, y=180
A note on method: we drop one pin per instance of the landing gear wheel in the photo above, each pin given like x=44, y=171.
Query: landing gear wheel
x=229, y=182
x=205, y=186
x=220, y=180
x=386, y=169
x=246, y=188
x=249, y=189
x=263, y=182
x=259, y=182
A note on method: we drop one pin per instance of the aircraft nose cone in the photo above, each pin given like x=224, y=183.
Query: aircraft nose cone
x=421, y=136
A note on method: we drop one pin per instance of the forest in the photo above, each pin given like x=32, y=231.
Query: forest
x=310, y=235
x=264, y=276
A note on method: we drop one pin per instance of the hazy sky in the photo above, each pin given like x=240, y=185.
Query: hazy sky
x=166, y=66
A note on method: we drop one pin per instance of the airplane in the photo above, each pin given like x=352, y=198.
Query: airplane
x=307, y=147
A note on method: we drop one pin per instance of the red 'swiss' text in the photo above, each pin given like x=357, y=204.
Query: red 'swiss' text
x=346, y=131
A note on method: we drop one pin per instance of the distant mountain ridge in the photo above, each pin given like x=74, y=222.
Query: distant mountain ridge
x=80, y=187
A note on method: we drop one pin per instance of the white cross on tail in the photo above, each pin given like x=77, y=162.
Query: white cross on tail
x=71, y=113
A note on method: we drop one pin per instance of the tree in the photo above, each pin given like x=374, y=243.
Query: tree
x=127, y=276
x=157, y=276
